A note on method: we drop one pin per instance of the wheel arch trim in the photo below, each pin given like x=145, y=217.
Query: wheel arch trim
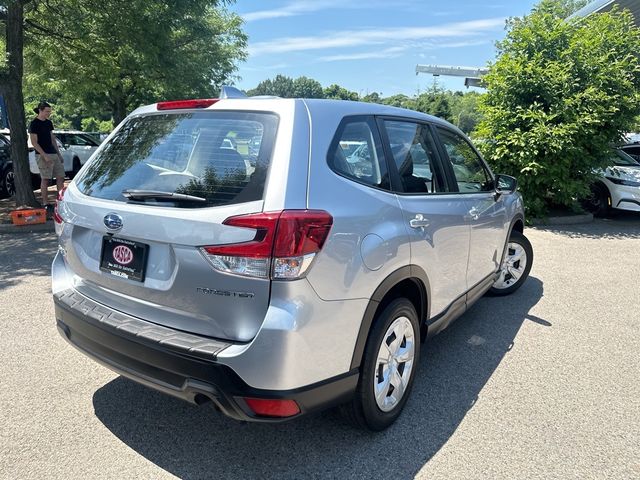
x=412, y=273
x=517, y=220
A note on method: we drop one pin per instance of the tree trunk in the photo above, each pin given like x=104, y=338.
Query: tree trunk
x=12, y=91
x=119, y=105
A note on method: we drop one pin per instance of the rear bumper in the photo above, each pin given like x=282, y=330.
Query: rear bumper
x=176, y=363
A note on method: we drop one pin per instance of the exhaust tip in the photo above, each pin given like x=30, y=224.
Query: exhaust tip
x=201, y=399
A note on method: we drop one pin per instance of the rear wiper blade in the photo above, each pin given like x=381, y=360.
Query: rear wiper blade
x=159, y=195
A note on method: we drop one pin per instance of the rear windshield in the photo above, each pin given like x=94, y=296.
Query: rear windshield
x=220, y=158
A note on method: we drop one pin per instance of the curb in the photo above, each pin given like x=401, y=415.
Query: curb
x=568, y=220
x=48, y=226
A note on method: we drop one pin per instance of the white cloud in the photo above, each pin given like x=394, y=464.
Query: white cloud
x=462, y=44
x=378, y=36
x=386, y=53
x=295, y=8
x=262, y=68
x=302, y=7
x=393, y=52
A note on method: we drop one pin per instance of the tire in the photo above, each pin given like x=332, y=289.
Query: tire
x=515, y=266
x=376, y=412
x=3, y=188
x=8, y=182
x=599, y=201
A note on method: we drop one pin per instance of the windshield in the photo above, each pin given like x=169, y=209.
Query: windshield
x=221, y=157
x=622, y=159
x=79, y=139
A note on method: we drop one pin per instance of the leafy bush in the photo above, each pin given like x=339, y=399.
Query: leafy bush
x=91, y=124
x=560, y=92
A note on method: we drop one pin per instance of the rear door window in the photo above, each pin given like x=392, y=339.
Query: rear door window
x=413, y=152
x=356, y=153
x=218, y=158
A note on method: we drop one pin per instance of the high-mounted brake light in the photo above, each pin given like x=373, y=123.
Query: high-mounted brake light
x=181, y=104
x=284, y=245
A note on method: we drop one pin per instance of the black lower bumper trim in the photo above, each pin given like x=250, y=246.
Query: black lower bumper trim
x=627, y=200
x=186, y=376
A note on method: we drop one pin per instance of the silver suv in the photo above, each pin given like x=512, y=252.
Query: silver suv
x=280, y=256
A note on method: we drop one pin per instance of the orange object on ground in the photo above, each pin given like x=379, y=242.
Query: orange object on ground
x=29, y=216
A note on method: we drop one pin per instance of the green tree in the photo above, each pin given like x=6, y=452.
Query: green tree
x=304, y=87
x=434, y=102
x=567, y=7
x=337, y=92
x=373, y=97
x=400, y=100
x=11, y=76
x=68, y=109
x=114, y=55
x=465, y=112
x=280, y=86
x=557, y=96
x=91, y=124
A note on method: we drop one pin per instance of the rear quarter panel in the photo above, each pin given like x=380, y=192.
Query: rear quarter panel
x=367, y=224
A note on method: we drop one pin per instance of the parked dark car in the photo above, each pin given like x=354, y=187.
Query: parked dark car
x=7, y=188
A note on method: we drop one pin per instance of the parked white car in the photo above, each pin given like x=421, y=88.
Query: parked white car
x=78, y=146
x=617, y=188
x=33, y=166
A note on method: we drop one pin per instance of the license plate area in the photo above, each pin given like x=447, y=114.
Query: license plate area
x=124, y=258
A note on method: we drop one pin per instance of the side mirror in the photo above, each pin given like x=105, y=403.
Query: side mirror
x=505, y=184
x=66, y=145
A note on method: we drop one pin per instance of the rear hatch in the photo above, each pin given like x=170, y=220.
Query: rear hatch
x=138, y=217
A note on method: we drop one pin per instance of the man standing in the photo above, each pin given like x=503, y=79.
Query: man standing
x=48, y=157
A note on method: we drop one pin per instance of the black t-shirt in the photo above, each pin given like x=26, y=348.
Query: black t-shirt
x=43, y=129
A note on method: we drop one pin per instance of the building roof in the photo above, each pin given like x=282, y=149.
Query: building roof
x=599, y=6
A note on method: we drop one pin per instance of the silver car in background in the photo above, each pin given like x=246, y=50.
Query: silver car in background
x=235, y=251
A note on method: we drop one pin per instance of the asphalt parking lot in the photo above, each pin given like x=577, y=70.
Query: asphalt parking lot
x=542, y=384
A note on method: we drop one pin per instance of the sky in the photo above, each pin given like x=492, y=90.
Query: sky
x=371, y=45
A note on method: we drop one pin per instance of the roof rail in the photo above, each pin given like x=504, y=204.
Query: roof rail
x=231, y=92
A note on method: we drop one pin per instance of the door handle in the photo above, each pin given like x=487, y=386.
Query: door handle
x=474, y=213
x=419, y=221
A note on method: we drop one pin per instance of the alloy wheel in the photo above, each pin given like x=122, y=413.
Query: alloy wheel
x=394, y=364
x=513, y=266
x=10, y=186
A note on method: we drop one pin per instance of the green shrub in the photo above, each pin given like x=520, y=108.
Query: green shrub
x=560, y=92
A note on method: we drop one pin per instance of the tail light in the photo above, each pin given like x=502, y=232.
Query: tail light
x=56, y=213
x=284, y=245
